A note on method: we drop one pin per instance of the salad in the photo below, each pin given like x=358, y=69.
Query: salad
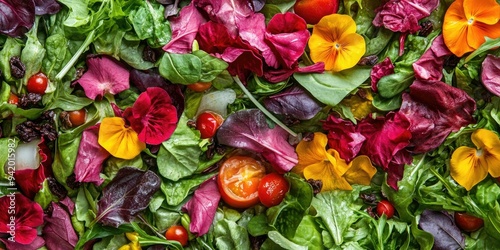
x=278, y=124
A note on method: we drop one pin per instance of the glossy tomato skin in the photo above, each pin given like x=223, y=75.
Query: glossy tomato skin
x=77, y=117
x=199, y=86
x=207, y=123
x=467, y=222
x=37, y=83
x=313, y=10
x=272, y=189
x=385, y=207
x=13, y=99
x=238, y=181
x=177, y=233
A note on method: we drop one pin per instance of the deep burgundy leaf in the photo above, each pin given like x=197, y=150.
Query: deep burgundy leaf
x=403, y=15
x=202, y=207
x=58, y=231
x=380, y=70
x=43, y=7
x=90, y=157
x=248, y=129
x=16, y=17
x=343, y=137
x=446, y=234
x=126, y=195
x=294, y=102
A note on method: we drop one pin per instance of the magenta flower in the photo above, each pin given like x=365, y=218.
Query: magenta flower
x=104, y=75
x=343, y=137
x=20, y=217
x=33, y=166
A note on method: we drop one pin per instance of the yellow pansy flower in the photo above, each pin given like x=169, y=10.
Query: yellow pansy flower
x=134, y=242
x=335, y=42
x=469, y=166
x=119, y=140
x=318, y=163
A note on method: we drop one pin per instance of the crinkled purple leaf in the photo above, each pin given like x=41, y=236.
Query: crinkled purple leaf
x=490, y=75
x=287, y=36
x=43, y=7
x=430, y=65
x=145, y=79
x=203, y=206
x=16, y=17
x=152, y=116
x=435, y=109
x=184, y=30
x=343, y=137
x=104, y=75
x=58, y=231
x=254, y=35
x=37, y=243
x=68, y=204
x=279, y=75
x=380, y=70
x=293, y=102
x=403, y=15
x=446, y=234
x=227, y=12
x=248, y=130
x=90, y=157
x=126, y=195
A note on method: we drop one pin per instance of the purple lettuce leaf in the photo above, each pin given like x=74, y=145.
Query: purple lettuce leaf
x=184, y=30
x=279, y=75
x=68, y=204
x=248, y=129
x=126, y=195
x=227, y=12
x=430, y=65
x=254, y=35
x=90, y=157
x=435, y=109
x=293, y=102
x=43, y=7
x=58, y=231
x=440, y=224
x=403, y=15
x=16, y=17
x=490, y=76
x=380, y=70
x=203, y=206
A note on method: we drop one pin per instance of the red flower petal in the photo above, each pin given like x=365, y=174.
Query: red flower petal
x=153, y=116
x=380, y=70
x=27, y=216
x=343, y=137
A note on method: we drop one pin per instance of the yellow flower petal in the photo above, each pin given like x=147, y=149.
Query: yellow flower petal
x=311, y=152
x=120, y=141
x=488, y=151
x=488, y=12
x=465, y=167
x=334, y=157
x=361, y=171
x=326, y=172
x=351, y=48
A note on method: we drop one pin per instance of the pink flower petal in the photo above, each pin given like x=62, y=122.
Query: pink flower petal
x=90, y=157
x=343, y=137
x=490, y=75
x=184, y=30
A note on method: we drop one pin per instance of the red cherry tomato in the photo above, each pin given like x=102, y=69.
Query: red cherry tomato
x=385, y=207
x=272, y=189
x=177, y=233
x=77, y=117
x=313, y=10
x=207, y=123
x=199, y=86
x=13, y=99
x=467, y=222
x=37, y=83
x=238, y=181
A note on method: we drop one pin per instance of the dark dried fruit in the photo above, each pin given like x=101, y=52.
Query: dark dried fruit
x=44, y=126
x=426, y=28
x=257, y=241
x=71, y=182
x=28, y=131
x=451, y=61
x=30, y=100
x=369, y=198
x=56, y=189
x=17, y=67
x=149, y=54
x=316, y=185
x=368, y=60
x=64, y=117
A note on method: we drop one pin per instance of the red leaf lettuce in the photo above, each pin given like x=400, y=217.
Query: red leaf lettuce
x=430, y=65
x=58, y=230
x=403, y=15
x=184, y=30
x=380, y=70
x=90, y=157
x=16, y=17
x=203, y=206
x=293, y=102
x=30, y=177
x=343, y=137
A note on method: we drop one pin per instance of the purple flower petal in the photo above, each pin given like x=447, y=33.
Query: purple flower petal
x=203, y=206
x=490, y=75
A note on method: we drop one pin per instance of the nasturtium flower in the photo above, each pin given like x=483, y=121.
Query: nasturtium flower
x=335, y=42
x=318, y=163
x=119, y=140
x=467, y=22
x=469, y=166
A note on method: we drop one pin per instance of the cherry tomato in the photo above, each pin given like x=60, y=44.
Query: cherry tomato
x=177, y=233
x=385, y=207
x=199, y=86
x=13, y=99
x=467, y=222
x=207, y=123
x=272, y=189
x=239, y=178
x=77, y=117
x=37, y=83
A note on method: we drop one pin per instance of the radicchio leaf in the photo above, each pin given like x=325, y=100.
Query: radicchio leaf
x=380, y=70
x=248, y=129
x=293, y=102
x=184, y=29
x=446, y=234
x=227, y=12
x=43, y=7
x=16, y=17
x=58, y=230
x=343, y=137
x=490, y=76
x=435, y=109
x=90, y=157
x=430, y=65
x=403, y=15
x=126, y=195
x=203, y=206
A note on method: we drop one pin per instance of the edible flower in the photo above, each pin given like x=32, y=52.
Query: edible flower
x=20, y=217
x=469, y=166
x=134, y=242
x=467, y=22
x=119, y=140
x=335, y=42
x=318, y=163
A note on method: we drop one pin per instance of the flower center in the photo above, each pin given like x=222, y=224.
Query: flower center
x=470, y=21
x=479, y=153
x=337, y=46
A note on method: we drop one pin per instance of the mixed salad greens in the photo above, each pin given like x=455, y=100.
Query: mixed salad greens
x=119, y=120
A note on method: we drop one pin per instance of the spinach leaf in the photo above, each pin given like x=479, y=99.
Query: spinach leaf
x=149, y=23
x=211, y=66
x=57, y=54
x=229, y=235
x=12, y=47
x=180, y=68
x=308, y=234
x=32, y=54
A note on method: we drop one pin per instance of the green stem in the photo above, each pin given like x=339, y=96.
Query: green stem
x=72, y=61
x=262, y=108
